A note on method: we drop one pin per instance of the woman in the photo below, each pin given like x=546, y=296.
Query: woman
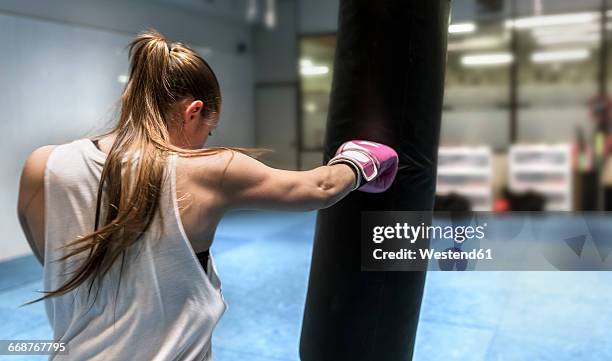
x=117, y=220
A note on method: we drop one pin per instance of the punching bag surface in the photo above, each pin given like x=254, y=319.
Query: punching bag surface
x=387, y=87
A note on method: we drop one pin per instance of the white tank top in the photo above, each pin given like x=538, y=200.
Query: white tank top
x=167, y=306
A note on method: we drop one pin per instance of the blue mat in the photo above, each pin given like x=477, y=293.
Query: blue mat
x=264, y=258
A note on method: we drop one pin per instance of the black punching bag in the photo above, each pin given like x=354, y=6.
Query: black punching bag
x=387, y=87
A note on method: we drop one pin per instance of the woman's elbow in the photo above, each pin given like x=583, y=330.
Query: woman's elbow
x=312, y=198
x=319, y=190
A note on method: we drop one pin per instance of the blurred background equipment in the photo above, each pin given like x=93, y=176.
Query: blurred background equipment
x=527, y=201
x=452, y=202
x=545, y=169
x=466, y=172
x=519, y=73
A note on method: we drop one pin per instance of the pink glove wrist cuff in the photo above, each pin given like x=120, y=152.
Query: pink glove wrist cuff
x=342, y=160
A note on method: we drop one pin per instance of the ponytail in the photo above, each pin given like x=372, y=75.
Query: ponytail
x=161, y=74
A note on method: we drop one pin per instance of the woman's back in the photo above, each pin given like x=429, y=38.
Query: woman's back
x=163, y=307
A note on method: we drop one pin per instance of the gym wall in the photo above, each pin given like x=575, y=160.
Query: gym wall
x=83, y=47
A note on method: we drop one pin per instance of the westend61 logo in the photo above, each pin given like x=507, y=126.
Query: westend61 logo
x=485, y=241
x=411, y=233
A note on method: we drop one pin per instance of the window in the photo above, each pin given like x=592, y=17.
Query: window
x=525, y=78
x=476, y=97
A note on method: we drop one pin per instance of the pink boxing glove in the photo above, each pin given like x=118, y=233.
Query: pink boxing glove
x=375, y=164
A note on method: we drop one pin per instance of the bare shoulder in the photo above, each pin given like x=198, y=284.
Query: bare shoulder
x=223, y=167
x=30, y=203
x=207, y=169
x=33, y=176
x=34, y=167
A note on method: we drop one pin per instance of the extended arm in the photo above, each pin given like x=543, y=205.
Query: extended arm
x=248, y=183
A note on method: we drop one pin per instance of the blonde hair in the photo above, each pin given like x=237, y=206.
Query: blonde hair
x=161, y=74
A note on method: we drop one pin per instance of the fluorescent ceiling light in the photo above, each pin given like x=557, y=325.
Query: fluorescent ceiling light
x=551, y=20
x=560, y=55
x=311, y=107
x=462, y=28
x=472, y=43
x=122, y=78
x=308, y=68
x=305, y=62
x=314, y=70
x=270, y=14
x=589, y=39
x=562, y=30
x=252, y=10
x=492, y=59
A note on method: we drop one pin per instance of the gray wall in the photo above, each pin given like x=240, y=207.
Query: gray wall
x=60, y=66
x=209, y=26
x=318, y=16
x=277, y=78
x=276, y=88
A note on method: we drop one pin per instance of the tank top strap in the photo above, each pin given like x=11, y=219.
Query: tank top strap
x=210, y=270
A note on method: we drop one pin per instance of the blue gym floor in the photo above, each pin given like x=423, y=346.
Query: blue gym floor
x=263, y=260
